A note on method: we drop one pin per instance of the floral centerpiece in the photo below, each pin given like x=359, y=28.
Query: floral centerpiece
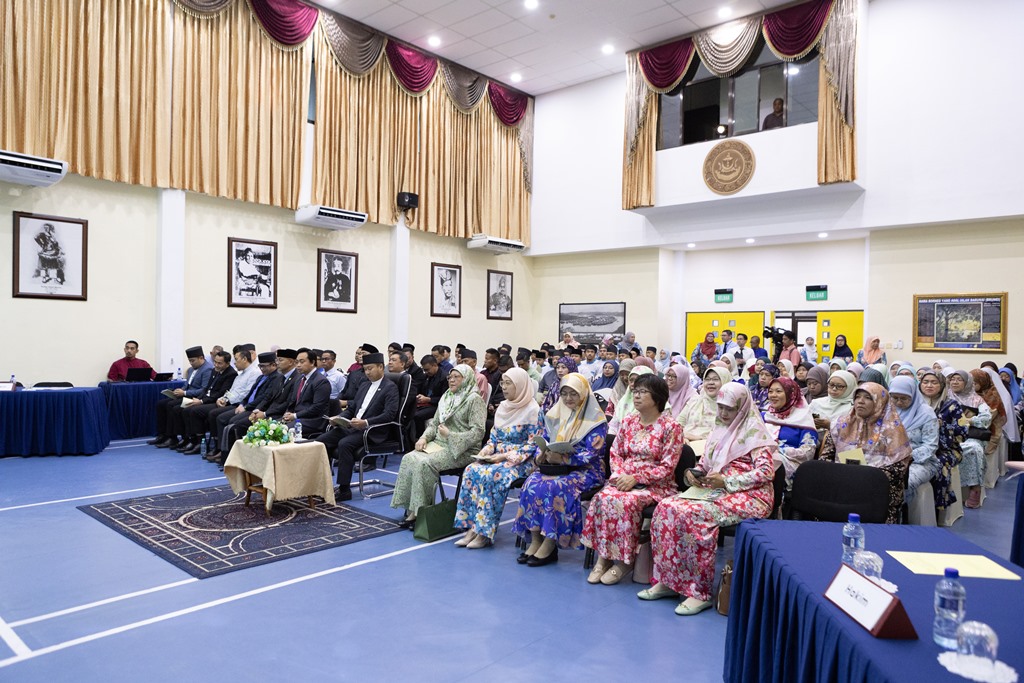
x=267, y=432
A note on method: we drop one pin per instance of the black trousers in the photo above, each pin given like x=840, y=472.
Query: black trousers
x=234, y=430
x=163, y=407
x=421, y=416
x=343, y=444
x=195, y=419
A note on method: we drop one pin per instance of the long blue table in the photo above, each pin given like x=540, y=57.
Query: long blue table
x=53, y=422
x=1017, y=543
x=132, y=406
x=781, y=627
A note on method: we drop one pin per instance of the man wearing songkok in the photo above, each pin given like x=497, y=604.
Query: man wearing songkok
x=198, y=375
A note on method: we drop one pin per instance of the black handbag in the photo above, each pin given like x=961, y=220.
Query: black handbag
x=979, y=433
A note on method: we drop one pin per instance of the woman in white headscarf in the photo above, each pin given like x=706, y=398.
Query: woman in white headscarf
x=922, y=427
x=506, y=457
x=840, y=386
x=680, y=390
x=698, y=416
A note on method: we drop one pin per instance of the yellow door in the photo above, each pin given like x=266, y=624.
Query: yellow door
x=833, y=323
x=699, y=324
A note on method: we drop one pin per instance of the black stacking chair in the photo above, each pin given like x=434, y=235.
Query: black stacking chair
x=396, y=440
x=829, y=492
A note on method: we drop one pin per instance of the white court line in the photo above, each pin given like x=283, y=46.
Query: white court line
x=99, y=603
x=16, y=644
x=111, y=493
x=24, y=653
x=131, y=445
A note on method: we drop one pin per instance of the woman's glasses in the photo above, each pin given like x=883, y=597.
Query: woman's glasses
x=837, y=387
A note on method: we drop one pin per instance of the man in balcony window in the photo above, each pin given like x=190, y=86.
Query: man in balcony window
x=775, y=119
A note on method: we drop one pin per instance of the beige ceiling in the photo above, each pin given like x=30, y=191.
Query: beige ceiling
x=554, y=46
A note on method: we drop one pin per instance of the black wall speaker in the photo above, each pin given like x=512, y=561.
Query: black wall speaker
x=408, y=200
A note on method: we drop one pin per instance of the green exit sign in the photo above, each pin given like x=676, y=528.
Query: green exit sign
x=819, y=293
x=723, y=297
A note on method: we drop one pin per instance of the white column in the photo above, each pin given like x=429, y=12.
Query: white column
x=170, y=281
x=672, y=310
x=398, y=322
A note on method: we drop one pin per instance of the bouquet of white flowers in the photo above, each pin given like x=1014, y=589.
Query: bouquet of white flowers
x=267, y=432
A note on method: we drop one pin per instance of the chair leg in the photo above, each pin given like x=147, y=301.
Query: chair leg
x=386, y=485
x=588, y=558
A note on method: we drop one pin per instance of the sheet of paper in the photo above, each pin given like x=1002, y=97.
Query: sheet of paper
x=697, y=493
x=971, y=566
x=854, y=456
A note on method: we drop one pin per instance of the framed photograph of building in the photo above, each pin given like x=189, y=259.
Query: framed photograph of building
x=336, y=277
x=960, y=322
x=499, y=295
x=589, y=323
x=51, y=257
x=252, y=273
x=445, y=290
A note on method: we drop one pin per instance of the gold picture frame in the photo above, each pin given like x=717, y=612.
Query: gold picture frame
x=960, y=323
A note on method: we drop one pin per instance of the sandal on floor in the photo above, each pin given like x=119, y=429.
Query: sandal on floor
x=615, y=574
x=657, y=592
x=480, y=541
x=468, y=538
x=691, y=606
x=597, y=572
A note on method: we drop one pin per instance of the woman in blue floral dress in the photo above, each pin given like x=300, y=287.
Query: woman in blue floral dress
x=549, y=505
x=507, y=456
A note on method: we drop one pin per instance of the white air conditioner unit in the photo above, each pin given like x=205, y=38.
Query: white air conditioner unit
x=22, y=169
x=329, y=217
x=495, y=244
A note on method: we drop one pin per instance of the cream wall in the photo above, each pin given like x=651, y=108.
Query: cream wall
x=78, y=340
x=942, y=259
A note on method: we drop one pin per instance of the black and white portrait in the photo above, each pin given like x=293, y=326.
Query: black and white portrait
x=252, y=273
x=336, y=281
x=50, y=256
x=499, y=295
x=445, y=290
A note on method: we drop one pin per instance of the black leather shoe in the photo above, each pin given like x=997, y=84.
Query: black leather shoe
x=167, y=443
x=193, y=450
x=407, y=524
x=342, y=495
x=213, y=456
x=153, y=442
x=183, y=445
x=538, y=562
x=523, y=558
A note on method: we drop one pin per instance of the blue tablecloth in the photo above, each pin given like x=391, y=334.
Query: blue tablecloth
x=53, y=422
x=781, y=627
x=132, y=406
x=1017, y=543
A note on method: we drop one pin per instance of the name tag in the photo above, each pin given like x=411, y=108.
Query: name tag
x=881, y=613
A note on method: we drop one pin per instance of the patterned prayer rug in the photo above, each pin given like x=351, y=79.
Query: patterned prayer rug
x=210, y=531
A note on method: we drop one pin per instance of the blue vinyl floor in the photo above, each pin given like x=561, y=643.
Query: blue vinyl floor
x=80, y=602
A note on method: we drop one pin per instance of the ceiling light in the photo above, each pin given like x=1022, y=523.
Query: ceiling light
x=607, y=48
x=531, y=4
x=516, y=77
x=725, y=12
x=690, y=245
x=434, y=41
x=750, y=240
x=822, y=235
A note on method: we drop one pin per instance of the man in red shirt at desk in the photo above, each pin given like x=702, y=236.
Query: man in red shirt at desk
x=119, y=368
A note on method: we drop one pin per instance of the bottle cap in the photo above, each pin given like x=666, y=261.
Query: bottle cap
x=952, y=573
x=854, y=518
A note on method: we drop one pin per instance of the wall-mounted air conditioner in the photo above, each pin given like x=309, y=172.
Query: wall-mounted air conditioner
x=329, y=217
x=495, y=244
x=23, y=169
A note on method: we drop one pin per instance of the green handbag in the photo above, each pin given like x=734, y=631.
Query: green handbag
x=435, y=521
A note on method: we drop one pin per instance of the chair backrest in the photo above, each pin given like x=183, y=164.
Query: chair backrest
x=488, y=390
x=406, y=407
x=829, y=492
x=53, y=384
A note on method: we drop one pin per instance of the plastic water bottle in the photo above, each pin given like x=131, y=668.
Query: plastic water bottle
x=179, y=374
x=853, y=538
x=298, y=431
x=202, y=448
x=950, y=607
x=14, y=383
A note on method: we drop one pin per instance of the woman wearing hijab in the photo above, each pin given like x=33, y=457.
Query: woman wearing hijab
x=661, y=365
x=563, y=367
x=838, y=401
x=871, y=353
x=647, y=363
x=549, y=505
x=568, y=341
x=680, y=391
x=507, y=456
x=972, y=465
x=875, y=428
x=625, y=405
x=876, y=374
x=759, y=392
x=817, y=383
x=785, y=368
x=698, y=416
x=855, y=369
x=738, y=470
x=643, y=463
x=789, y=420
x=922, y=427
x=697, y=370
x=841, y=350
x=730, y=364
x=801, y=374
x=1010, y=382
x=837, y=364
x=1004, y=422
x=453, y=435
x=608, y=377
x=622, y=384
x=706, y=351
x=933, y=392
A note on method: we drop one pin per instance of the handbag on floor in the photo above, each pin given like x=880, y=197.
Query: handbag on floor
x=724, y=588
x=435, y=521
x=642, y=564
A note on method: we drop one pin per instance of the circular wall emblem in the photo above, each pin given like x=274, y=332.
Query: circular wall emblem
x=728, y=167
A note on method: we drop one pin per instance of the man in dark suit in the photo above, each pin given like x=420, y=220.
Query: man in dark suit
x=403, y=362
x=356, y=376
x=198, y=375
x=375, y=403
x=312, y=397
x=276, y=406
x=427, y=400
x=220, y=381
x=233, y=425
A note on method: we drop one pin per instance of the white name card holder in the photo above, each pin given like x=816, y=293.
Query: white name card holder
x=8, y=386
x=870, y=605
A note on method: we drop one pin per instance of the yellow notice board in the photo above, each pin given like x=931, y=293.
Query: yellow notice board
x=847, y=323
x=699, y=324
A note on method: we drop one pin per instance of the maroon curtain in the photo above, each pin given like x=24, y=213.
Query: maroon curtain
x=794, y=31
x=413, y=69
x=287, y=21
x=663, y=66
x=509, y=105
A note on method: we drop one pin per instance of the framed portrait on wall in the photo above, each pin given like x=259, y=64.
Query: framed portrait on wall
x=445, y=290
x=51, y=257
x=589, y=323
x=252, y=273
x=336, y=280
x=499, y=295
x=960, y=322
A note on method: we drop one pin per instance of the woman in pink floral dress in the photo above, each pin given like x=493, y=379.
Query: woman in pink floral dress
x=735, y=477
x=643, y=463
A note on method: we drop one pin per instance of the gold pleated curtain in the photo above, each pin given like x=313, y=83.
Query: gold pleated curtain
x=239, y=109
x=367, y=131
x=638, y=167
x=86, y=81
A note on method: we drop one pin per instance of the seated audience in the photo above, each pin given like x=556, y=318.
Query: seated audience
x=755, y=346
x=875, y=428
x=972, y=465
x=800, y=374
x=233, y=424
x=563, y=366
x=220, y=381
x=837, y=364
x=196, y=378
x=855, y=369
x=608, y=378
x=643, y=463
x=737, y=468
x=706, y=351
x=922, y=427
x=951, y=434
x=335, y=376
x=433, y=390
x=817, y=383
x=871, y=353
x=205, y=418
x=876, y=374
x=1004, y=422
x=680, y=390
x=549, y=505
x=759, y=390
x=789, y=420
x=120, y=367
x=629, y=343
x=452, y=437
x=839, y=401
x=312, y=397
x=625, y=405
x=506, y=457
x=841, y=350
x=698, y=416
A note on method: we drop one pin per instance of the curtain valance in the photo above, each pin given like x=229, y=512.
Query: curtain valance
x=203, y=8
x=465, y=87
x=725, y=49
x=289, y=22
x=663, y=67
x=792, y=33
x=413, y=69
x=509, y=105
